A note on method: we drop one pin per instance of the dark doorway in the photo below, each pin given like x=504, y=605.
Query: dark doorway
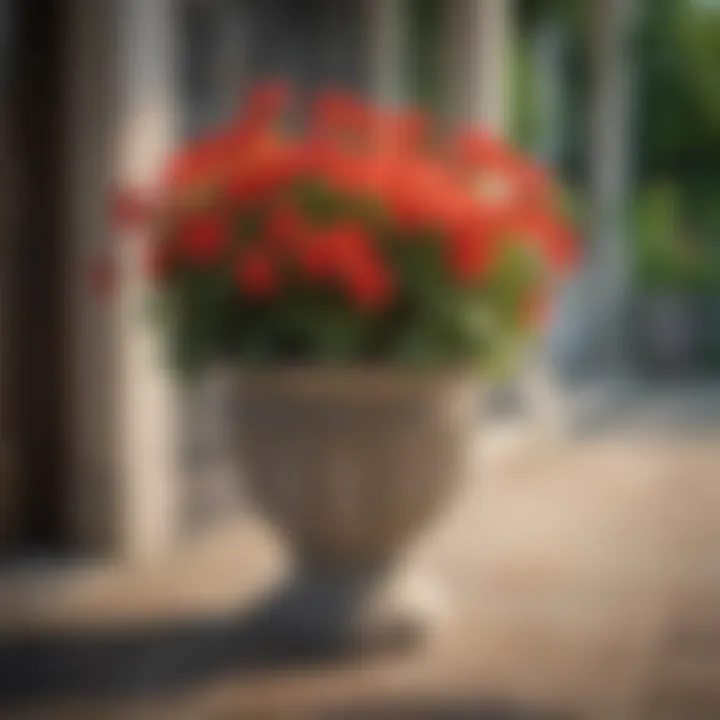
x=35, y=297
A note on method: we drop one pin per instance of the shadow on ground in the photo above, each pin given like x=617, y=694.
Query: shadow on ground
x=151, y=659
x=140, y=662
x=471, y=709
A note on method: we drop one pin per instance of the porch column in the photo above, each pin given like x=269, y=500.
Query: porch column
x=476, y=49
x=548, y=58
x=609, y=155
x=146, y=434
x=388, y=50
x=479, y=39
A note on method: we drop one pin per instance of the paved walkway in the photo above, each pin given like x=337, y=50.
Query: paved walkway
x=582, y=581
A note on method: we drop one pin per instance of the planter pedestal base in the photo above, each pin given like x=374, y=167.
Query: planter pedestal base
x=321, y=611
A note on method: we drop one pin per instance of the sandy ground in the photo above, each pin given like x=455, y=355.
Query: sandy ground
x=581, y=581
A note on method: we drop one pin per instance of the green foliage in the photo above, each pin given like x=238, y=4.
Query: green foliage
x=676, y=130
x=678, y=123
x=435, y=321
x=674, y=232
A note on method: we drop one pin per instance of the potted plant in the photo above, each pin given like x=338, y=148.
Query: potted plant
x=360, y=276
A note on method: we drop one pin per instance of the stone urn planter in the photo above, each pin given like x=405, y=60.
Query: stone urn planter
x=349, y=466
x=322, y=254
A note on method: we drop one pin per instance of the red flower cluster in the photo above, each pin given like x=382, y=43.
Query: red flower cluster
x=203, y=239
x=256, y=275
x=328, y=204
x=344, y=254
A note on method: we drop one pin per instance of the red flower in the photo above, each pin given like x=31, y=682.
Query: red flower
x=316, y=258
x=345, y=255
x=347, y=173
x=359, y=268
x=370, y=285
x=422, y=195
x=330, y=253
x=350, y=244
x=256, y=276
x=266, y=168
x=203, y=240
x=286, y=228
x=473, y=249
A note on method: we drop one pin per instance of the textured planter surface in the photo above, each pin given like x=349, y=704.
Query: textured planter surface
x=349, y=465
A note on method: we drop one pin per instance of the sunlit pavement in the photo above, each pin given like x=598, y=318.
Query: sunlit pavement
x=579, y=579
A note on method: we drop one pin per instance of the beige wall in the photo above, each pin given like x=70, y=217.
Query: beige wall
x=120, y=124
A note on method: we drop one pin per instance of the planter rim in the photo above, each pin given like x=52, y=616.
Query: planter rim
x=355, y=380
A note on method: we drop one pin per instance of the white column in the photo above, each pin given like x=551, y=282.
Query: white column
x=607, y=282
x=476, y=51
x=542, y=385
x=146, y=453
x=549, y=91
x=388, y=51
x=547, y=56
x=223, y=62
x=478, y=55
